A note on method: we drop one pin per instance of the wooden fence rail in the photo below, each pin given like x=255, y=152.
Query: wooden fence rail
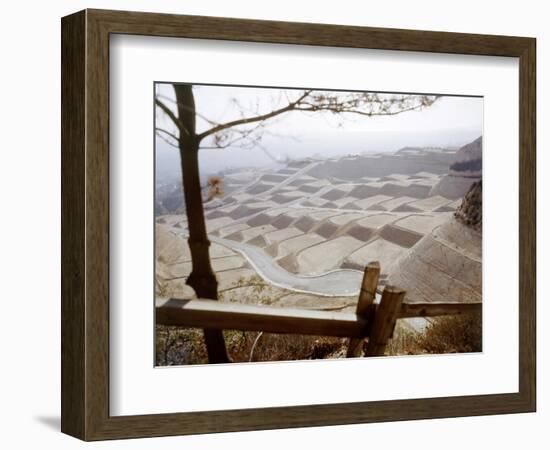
x=236, y=316
x=372, y=321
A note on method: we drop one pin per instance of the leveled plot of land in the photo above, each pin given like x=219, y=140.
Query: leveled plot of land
x=174, y=271
x=341, y=203
x=345, y=218
x=281, y=235
x=286, y=197
x=282, y=221
x=228, y=263
x=256, y=231
x=169, y=246
x=393, y=203
x=271, y=178
x=173, y=264
x=300, y=181
x=259, y=188
x=413, y=190
x=320, y=183
x=326, y=229
x=396, y=176
x=422, y=223
x=430, y=203
x=377, y=220
x=314, y=201
x=298, y=243
x=400, y=236
x=214, y=224
x=370, y=201
x=378, y=250
x=326, y=256
x=242, y=197
x=358, y=232
x=333, y=194
x=274, y=212
x=305, y=224
x=365, y=190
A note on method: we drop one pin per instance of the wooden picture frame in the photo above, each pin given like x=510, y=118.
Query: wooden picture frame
x=85, y=224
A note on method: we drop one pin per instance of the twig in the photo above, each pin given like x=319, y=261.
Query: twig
x=254, y=345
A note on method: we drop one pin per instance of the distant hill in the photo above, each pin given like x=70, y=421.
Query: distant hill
x=465, y=169
x=406, y=161
x=468, y=162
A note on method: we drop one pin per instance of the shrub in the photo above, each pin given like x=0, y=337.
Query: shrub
x=453, y=334
x=473, y=165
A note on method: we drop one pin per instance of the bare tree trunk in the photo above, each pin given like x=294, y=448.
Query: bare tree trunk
x=202, y=278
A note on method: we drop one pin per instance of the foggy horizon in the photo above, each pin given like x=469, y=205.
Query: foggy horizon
x=451, y=121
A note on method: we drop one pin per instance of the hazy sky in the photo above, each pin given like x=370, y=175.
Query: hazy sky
x=451, y=121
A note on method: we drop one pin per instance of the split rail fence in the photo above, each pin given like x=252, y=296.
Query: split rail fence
x=372, y=322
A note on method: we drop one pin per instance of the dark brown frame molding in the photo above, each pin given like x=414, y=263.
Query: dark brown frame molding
x=85, y=224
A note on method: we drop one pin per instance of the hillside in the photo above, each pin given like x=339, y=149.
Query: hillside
x=465, y=169
x=313, y=217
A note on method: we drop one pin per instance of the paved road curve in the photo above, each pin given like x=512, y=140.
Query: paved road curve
x=332, y=284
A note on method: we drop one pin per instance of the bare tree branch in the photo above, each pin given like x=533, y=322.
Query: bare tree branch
x=248, y=120
x=168, y=133
x=313, y=108
x=237, y=132
x=363, y=104
x=202, y=116
x=170, y=143
x=171, y=115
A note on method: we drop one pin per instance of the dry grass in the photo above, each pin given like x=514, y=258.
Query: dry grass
x=251, y=346
x=404, y=342
x=183, y=346
x=451, y=334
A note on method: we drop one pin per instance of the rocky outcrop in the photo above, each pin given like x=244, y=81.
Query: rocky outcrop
x=470, y=211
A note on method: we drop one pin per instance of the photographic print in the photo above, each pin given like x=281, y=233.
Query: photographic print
x=350, y=222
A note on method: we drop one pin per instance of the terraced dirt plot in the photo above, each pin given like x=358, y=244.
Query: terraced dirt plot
x=422, y=223
x=430, y=203
x=300, y=235
x=310, y=221
x=375, y=221
x=378, y=250
x=326, y=256
x=390, y=205
x=403, y=238
x=370, y=201
x=281, y=235
x=298, y=243
x=344, y=219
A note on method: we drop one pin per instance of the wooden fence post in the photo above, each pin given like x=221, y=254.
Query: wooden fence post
x=365, y=304
x=384, y=320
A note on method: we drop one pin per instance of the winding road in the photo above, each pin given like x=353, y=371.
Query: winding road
x=337, y=283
